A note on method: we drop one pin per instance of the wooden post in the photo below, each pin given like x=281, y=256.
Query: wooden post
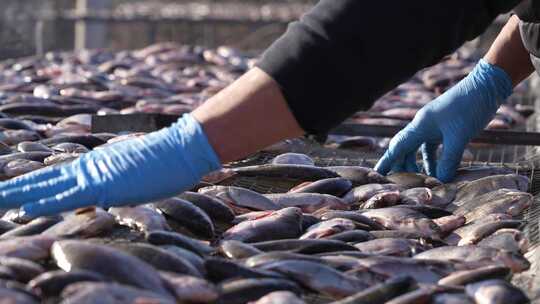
x=91, y=34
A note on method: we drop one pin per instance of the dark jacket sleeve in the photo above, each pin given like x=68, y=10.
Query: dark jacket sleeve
x=344, y=54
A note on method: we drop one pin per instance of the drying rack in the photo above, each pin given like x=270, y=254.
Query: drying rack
x=517, y=149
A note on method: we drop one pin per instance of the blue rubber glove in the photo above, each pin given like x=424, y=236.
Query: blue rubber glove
x=452, y=119
x=155, y=166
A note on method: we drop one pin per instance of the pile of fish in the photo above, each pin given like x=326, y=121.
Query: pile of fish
x=399, y=106
x=345, y=234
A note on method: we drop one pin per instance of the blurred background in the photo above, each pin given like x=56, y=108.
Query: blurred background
x=30, y=27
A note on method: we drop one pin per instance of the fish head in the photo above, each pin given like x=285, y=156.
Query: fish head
x=426, y=227
x=516, y=262
x=431, y=182
x=520, y=202
x=376, y=178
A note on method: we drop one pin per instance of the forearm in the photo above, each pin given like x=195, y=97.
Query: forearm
x=508, y=52
x=247, y=116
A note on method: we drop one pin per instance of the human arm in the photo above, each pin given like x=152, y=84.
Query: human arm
x=328, y=65
x=455, y=117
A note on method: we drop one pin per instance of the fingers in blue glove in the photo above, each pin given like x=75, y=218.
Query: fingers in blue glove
x=33, y=192
x=31, y=178
x=404, y=143
x=410, y=163
x=429, y=157
x=63, y=201
x=451, y=155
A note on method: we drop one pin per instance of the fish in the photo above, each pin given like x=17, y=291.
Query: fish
x=159, y=258
x=300, y=172
x=99, y=292
x=500, y=201
x=417, y=196
x=244, y=290
x=217, y=210
x=364, y=143
x=51, y=283
x=281, y=224
x=382, y=292
x=472, y=253
x=449, y=223
x=318, y=277
x=13, y=137
x=67, y=147
x=9, y=295
x=469, y=228
x=381, y=200
x=22, y=270
x=488, y=184
x=194, y=259
x=495, y=291
x=422, y=271
x=470, y=174
x=406, y=235
x=428, y=211
x=443, y=195
x=6, y=226
x=451, y=298
x=358, y=175
x=351, y=215
x=404, y=219
x=187, y=215
x=238, y=250
x=304, y=246
x=278, y=297
x=34, y=248
x=327, y=228
x=30, y=146
x=111, y=263
x=271, y=257
x=487, y=229
x=307, y=202
x=20, y=166
x=141, y=218
x=511, y=240
x=190, y=289
x=33, y=227
x=413, y=180
x=90, y=141
x=293, y=159
x=220, y=270
x=424, y=294
x=392, y=247
x=84, y=223
x=60, y=158
x=240, y=198
x=464, y=277
x=336, y=186
x=354, y=236
x=16, y=216
x=160, y=237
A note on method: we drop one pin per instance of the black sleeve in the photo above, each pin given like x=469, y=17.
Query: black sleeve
x=528, y=11
x=344, y=54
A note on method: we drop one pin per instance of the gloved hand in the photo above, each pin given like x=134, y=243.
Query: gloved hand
x=452, y=119
x=151, y=167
